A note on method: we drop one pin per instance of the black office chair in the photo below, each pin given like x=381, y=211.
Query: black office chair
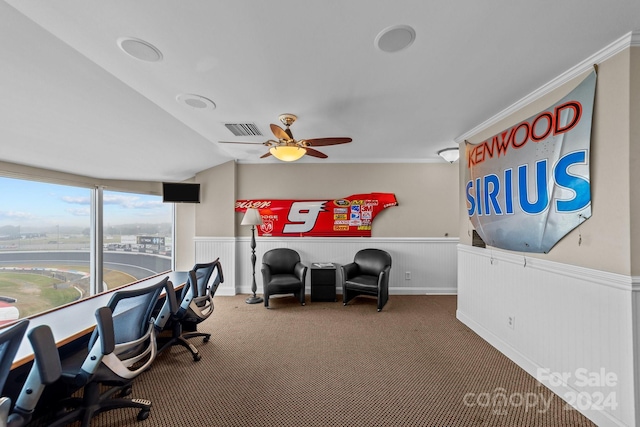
x=196, y=305
x=10, y=339
x=283, y=273
x=122, y=346
x=368, y=274
x=45, y=370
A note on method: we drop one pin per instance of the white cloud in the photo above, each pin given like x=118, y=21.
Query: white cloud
x=16, y=215
x=130, y=202
x=77, y=200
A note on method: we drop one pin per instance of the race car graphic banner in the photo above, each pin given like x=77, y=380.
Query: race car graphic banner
x=346, y=217
x=529, y=186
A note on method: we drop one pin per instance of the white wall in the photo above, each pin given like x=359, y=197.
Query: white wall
x=432, y=262
x=567, y=320
x=575, y=308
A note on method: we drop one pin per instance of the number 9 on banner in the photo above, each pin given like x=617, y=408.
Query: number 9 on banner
x=303, y=216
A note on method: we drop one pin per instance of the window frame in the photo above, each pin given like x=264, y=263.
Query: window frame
x=96, y=224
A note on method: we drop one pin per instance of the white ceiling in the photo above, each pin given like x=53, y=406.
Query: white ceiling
x=71, y=100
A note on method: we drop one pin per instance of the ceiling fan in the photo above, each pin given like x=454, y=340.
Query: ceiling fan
x=289, y=149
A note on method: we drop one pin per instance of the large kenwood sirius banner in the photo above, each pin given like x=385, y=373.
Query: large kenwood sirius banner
x=528, y=186
x=347, y=217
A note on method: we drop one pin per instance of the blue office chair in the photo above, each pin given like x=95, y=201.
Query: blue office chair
x=45, y=370
x=122, y=346
x=10, y=339
x=196, y=305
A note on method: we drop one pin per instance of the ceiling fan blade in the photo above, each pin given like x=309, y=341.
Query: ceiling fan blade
x=242, y=142
x=320, y=142
x=315, y=153
x=279, y=132
x=267, y=154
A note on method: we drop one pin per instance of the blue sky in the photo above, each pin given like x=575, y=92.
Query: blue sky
x=35, y=205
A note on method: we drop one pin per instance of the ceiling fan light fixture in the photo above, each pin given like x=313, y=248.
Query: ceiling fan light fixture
x=287, y=153
x=449, y=154
x=286, y=148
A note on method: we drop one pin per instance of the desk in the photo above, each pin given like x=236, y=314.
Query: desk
x=77, y=319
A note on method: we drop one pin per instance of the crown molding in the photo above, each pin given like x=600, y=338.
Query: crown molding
x=631, y=39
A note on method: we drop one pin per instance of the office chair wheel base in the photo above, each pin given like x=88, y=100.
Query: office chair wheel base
x=197, y=357
x=206, y=339
x=143, y=414
x=126, y=391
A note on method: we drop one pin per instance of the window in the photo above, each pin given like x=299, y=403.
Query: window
x=137, y=237
x=46, y=236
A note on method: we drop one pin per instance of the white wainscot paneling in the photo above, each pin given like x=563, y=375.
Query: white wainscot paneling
x=431, y=262
x=568, y=323
x=208, y=249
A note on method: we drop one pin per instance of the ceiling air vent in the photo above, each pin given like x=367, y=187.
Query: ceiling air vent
x=243, y=129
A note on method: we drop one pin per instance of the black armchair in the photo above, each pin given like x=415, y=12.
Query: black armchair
x=196, y=305
x=283, y=273
x=368, y=274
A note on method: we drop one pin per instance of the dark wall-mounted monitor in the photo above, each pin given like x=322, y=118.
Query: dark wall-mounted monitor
x=182, y=192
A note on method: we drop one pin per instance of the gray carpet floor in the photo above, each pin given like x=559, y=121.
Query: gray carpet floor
x=323, y=364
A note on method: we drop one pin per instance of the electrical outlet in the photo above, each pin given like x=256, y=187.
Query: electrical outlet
x=511, y=322
x=407, y=275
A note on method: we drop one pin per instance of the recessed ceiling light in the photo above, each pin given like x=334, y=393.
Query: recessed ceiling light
x=140, y=49
x=196, y=101
x=395, y=38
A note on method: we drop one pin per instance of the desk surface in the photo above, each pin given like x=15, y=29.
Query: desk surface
x=74, y=320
